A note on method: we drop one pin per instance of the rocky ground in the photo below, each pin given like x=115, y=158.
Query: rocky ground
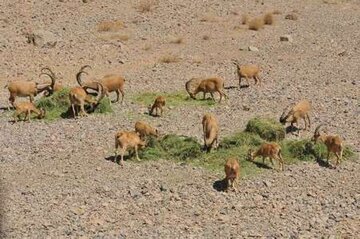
x=56, y=179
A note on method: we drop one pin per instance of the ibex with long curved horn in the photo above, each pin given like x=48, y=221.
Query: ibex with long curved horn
x=78, y=97
x=23, y=88
x=299, y=111
x=333, y=144
x=54, y=87
x=110, y=83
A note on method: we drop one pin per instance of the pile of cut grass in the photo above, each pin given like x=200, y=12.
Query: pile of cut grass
x=173, y=99
x=182, y=148
x=268, y=129
x=58, y=105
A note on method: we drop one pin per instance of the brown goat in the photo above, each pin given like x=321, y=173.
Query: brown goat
x=210, y=85
x=333, y=144
x=211, y=131
x=144, y=130
x=232, y=173
x=110, y=83
x=268, y=150
x=158, y=104
x=78, y=97
x=22, y=88
x=299, y=111
x=191, y=85
x=248, y=72
x=125, y=140
x=27, y=108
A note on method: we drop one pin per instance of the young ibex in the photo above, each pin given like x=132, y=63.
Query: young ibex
x=78, y=97
x=268, y=150
x=333, y=144
x=27, y=108
x=110, y=83
x=211, y=132
x=248, y=72
x=210, y=85
x=231, y=173
x=158, y=104
x=144, y=130
x=299, y=111
x=22, y=88
x=125, y=140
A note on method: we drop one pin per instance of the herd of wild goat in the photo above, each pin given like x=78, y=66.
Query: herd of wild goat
x=82, y=95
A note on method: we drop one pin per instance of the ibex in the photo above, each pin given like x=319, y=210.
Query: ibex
x=211, y=131
x=125, y=140
x=210, y=85
x=191, y=86
x=247, y=72
x=333, y=144
x=299, y=111
x=57, y=86
x=231, y=173
x=158, y=104
x=268, y=150
x=78, y=97
x=27, y=108
x=144, y=130
x=110, y=82
x=22, y=88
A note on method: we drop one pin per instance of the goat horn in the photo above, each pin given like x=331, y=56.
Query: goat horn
x=101, y=92
x=52, y=77
x=78, y=77
x=318, y=128
x=84, y=67
x=48, y=69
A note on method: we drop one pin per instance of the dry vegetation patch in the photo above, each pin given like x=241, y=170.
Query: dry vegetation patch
x=110, y=26
x=256, y=23
x=146, y=6
x=170, y=58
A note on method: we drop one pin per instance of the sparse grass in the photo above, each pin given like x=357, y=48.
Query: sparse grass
x=267, y=129
x=256, y=24
x=121, y=37
x=268, y=19
x=291, y=16
x=277, y=12
x=173, y=99
x=169, y=58
x=182, y=148
x=176, y=40
x=147, y=47
x=58, y=105
x=145, y=6
x=107, y=26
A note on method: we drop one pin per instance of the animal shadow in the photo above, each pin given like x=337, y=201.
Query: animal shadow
x=220, y=185
x=291, y=129
x=323, y=163
x=261, y=165
x=230, y=87
x=6, y=108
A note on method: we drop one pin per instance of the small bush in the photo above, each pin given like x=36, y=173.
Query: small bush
x=104, y=106
x=256, y=24
x=268, y=19
x=276, y=12
x=291, y=16
x=205, y=37
x=267, y=129
x=240, y=139
x=177, y=40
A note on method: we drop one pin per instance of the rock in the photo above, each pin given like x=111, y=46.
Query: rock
x=291, y=16
x=267, y=183
x=43, y=38
x=286, y=38
x=253, y=48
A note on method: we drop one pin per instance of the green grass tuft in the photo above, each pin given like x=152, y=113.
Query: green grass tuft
x=58, y=105
x=182, y=148
x=174, y=99
x=267, y=129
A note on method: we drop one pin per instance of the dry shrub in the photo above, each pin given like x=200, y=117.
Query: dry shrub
x=244, y=19
x=147, y=47
x=107, y=26
x=145, y=6
x=176, y=40
x=169, y=58
x=276, y=12
x=268, y=19
x=256, y=24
